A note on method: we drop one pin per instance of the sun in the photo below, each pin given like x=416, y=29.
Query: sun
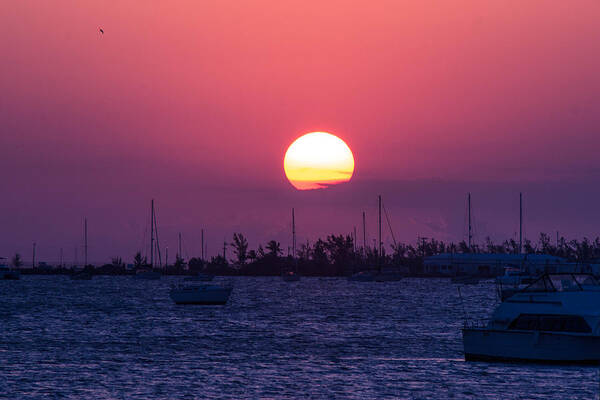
x=317, y=160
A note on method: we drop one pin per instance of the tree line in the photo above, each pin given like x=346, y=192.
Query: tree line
x=339, y=255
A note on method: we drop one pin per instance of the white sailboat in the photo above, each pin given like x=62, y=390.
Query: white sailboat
x=380, y=274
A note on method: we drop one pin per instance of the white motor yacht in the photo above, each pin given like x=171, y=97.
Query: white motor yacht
x=554, y=319
x=514, y=277
x=200, y=294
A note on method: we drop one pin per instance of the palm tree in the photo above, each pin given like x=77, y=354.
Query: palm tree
x=240, y=248
x=138, y=261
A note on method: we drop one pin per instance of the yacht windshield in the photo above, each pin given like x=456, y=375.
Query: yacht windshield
x=563, y=283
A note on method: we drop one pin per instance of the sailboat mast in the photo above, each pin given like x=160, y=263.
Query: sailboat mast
x=470, y=226
x=202, y=250
x=293, y=234
x=156, y=236
x=379, y=254
x=520, y=223
x=85, y=243
x=152, y=233
x=180, y=245
x=364, y=233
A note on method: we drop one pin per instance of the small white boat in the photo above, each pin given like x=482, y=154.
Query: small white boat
x=200, y=294
x=555, y=319
x=514, y=277
x=147, y=274
x=388, y=276
x=81, y=275
x=7, y=273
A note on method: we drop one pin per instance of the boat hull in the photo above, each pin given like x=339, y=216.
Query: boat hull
x=483, y=344
x=10, y=275
x=148, y=275
x=199, y=278
x=81, y=276
x=362, y=276
x=201, y=295
x=388, y=277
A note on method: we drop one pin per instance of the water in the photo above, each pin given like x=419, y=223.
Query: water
x=121, y=338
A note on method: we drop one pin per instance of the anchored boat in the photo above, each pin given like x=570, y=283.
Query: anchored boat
x=200, y=294
x=555, y=319
x=7, y=273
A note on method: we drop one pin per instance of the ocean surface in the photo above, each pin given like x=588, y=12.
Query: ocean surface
x=321, y=338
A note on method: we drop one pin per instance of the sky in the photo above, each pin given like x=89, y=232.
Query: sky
x=195, y=103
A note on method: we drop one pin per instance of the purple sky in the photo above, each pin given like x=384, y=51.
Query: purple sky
x=194, y=104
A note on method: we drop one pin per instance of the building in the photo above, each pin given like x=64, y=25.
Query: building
x=449, y=264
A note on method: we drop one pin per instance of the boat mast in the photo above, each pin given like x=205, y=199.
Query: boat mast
x=156, y=234
x=85, y=246
x=33, y=256
x=470, y=227
x=379, y=253
x=202, y=250
x=152, y=233
x=364, y=234
x=520, y=223
x=293, y=234
x=180, y=245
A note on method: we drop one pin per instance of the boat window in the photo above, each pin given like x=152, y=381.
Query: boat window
x=552, y=323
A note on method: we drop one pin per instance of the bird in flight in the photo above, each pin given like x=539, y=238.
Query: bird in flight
x=101, y=31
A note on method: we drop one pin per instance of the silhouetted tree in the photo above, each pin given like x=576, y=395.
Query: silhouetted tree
x=274, y=249
x=139, y=261
x=240, y=249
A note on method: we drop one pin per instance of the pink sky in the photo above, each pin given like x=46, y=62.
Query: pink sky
x=194, y=103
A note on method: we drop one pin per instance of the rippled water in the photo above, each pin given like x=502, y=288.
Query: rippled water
x=117, y=337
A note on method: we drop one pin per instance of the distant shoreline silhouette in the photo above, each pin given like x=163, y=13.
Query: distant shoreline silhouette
x=336, y=255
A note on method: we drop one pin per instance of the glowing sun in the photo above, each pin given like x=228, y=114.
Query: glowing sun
x=317, y=160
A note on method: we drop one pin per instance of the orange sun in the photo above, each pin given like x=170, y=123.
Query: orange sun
x=317, y=160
